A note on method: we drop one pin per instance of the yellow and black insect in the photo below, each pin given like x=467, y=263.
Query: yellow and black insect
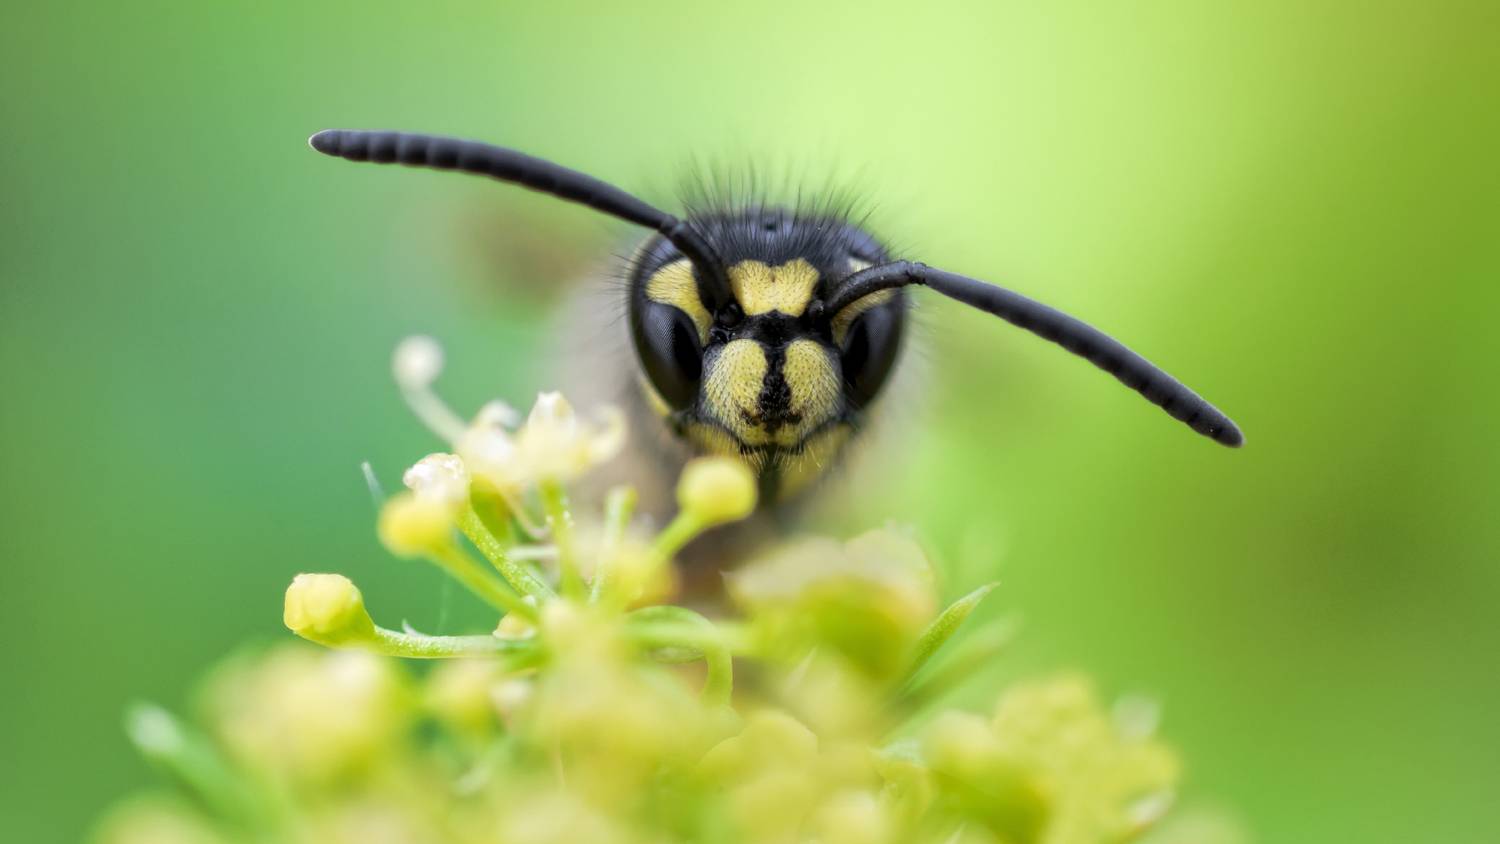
x=765, y=333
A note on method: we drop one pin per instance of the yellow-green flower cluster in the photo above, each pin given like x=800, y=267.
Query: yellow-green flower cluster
x=595, y=711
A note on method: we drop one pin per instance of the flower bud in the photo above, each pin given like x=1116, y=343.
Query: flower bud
x=770, y=739
x=854, y=817
x=305, y=718
x=327, y=608
x=983, y=780
x=716, y=490
x=410, y=525
x=961, y=744
x=511, y=696
x=458, y=692
x=417, y=362
x=867, y=599
x=155, y=820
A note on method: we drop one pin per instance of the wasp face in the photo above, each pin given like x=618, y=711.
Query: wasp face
x=765, y=371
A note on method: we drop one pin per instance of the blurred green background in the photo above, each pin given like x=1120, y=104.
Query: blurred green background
x=1291, y=205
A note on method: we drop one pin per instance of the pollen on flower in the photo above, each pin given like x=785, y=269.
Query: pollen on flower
x=716, y=490
x=439, y=477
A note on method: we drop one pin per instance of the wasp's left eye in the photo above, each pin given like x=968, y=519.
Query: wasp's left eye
x=869, y=350
x=667, y=341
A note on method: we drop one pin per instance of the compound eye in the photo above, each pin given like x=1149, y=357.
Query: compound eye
x=667, y=342
x=869, y=351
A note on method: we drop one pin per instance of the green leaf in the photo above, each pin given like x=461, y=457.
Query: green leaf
x=944, y=626
x=973, y=654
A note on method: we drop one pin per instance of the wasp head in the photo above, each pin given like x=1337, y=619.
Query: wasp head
x=764, y=333
x=744, y=357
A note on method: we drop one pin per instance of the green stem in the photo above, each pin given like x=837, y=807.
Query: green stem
x=560, y=522
x=193, y=761
x=690, y=641
x=467, y=571
x=619, y=505
x=421, y=646
x=678, y=627
x=515, y=573
x=678, y=533
x=731, y=638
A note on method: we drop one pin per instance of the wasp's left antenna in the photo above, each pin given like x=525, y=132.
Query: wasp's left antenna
x=508, y=165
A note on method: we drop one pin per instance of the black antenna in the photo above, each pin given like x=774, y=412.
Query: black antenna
x=1072, y=334
x=508, y=165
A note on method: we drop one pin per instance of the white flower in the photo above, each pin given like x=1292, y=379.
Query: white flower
x=441, y=478
x=554, y=444
x=488, y=447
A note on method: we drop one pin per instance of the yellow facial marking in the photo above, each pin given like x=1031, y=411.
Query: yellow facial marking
x=674, y=285
x=712, y=439
x=736, y=377
x=761, y=289
x=817, y=455
x=732, y=389
x=846, y=317
x=814, y=384
x=653, y=398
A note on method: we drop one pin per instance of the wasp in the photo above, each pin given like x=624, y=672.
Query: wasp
x=768, y=334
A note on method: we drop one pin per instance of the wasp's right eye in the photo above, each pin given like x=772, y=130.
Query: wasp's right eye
x=870, y=349
x=667, y=341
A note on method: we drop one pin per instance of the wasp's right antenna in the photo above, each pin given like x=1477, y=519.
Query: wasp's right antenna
x=508, y=165
x=1071, y=333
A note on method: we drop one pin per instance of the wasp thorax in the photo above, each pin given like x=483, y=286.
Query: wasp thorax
x=752, y=363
